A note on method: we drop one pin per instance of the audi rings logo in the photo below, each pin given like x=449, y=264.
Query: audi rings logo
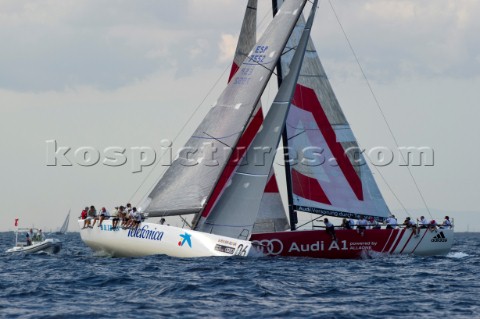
x=269, y=247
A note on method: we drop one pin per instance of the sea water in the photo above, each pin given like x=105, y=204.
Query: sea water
x=76, y=283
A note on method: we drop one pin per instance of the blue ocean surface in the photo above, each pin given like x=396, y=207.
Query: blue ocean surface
x=76, y=283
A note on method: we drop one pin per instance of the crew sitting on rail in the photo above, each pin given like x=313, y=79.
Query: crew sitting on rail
x=432, y=225
x=104, y=214
x=423, y=222
x=137, y=217
x=447, y=224
x=115, y=217
x=83, y=215
x=132, y=218
x=330, y=229
x=409, y=223
x=361, y=225
x=373, y=223
x=346, y=224
x=91, y=214
x=391, y=222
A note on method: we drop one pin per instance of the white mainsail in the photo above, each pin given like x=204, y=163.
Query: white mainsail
x=339, y=182
x=187, y=184
x=236, y=211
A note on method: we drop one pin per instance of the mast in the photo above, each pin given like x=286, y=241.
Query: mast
x=292, y=214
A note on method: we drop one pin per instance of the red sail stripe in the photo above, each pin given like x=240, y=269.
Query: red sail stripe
x=233, y=71
x=242, y=146
x=306, y=99
x=272, y=186
x=308, y=188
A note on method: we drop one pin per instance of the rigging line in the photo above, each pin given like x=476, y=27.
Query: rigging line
x=296, y=135
x=216, y=139
x=389, y=187
x=180, y=132
x=379, y=108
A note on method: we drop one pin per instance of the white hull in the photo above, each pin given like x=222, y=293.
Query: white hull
x=51, y=246
x=156, y=239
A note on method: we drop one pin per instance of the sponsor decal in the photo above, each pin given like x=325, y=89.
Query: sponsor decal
x=107, y=227
x=224, y=249
x=275, y=246
x=227, y=242
x=440, y=238
x=145, y=233
x=186, y=238
x=269, y=247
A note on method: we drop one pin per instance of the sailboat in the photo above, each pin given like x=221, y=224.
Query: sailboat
x=186, y=187
x=346, y=189
x=62, y=230
x=234, y=195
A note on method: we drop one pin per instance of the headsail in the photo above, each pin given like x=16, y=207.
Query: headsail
x=329, y=175
x=187, y=184
x=236, y=210
x=272, y=214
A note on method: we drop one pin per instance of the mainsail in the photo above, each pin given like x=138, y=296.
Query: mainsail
x=235, y=212
x=328, y=173
x=272, y=214
x=187, y=184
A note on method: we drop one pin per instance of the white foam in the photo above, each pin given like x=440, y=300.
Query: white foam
x=457, y=255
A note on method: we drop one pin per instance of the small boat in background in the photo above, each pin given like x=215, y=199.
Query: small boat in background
x=35, y=242
x=62, y=230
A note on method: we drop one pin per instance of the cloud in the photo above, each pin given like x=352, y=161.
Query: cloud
x=64, y=44
x=227, y=46
x=58, y=45
x=403, y=38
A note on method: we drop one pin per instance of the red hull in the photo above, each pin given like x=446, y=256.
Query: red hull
x=350, y=244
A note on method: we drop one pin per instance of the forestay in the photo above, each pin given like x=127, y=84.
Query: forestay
x=187, y=184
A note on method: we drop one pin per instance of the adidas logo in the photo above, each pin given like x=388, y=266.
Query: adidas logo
x=440, y=238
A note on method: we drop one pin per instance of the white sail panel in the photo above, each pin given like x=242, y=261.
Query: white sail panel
x=327, y=179
x=187, y=184
x=236, y=211
x=271, y=215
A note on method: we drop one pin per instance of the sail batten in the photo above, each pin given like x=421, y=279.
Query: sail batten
x=187, y=184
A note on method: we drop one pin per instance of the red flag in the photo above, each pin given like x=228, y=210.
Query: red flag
x=16, y=222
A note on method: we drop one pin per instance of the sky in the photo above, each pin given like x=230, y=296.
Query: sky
x=131, y=74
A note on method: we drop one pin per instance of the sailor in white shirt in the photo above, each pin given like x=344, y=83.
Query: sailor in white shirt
x=330, y=229
x=447, y=224
x=391, y=222
x=424, y=222
x=361, y=225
